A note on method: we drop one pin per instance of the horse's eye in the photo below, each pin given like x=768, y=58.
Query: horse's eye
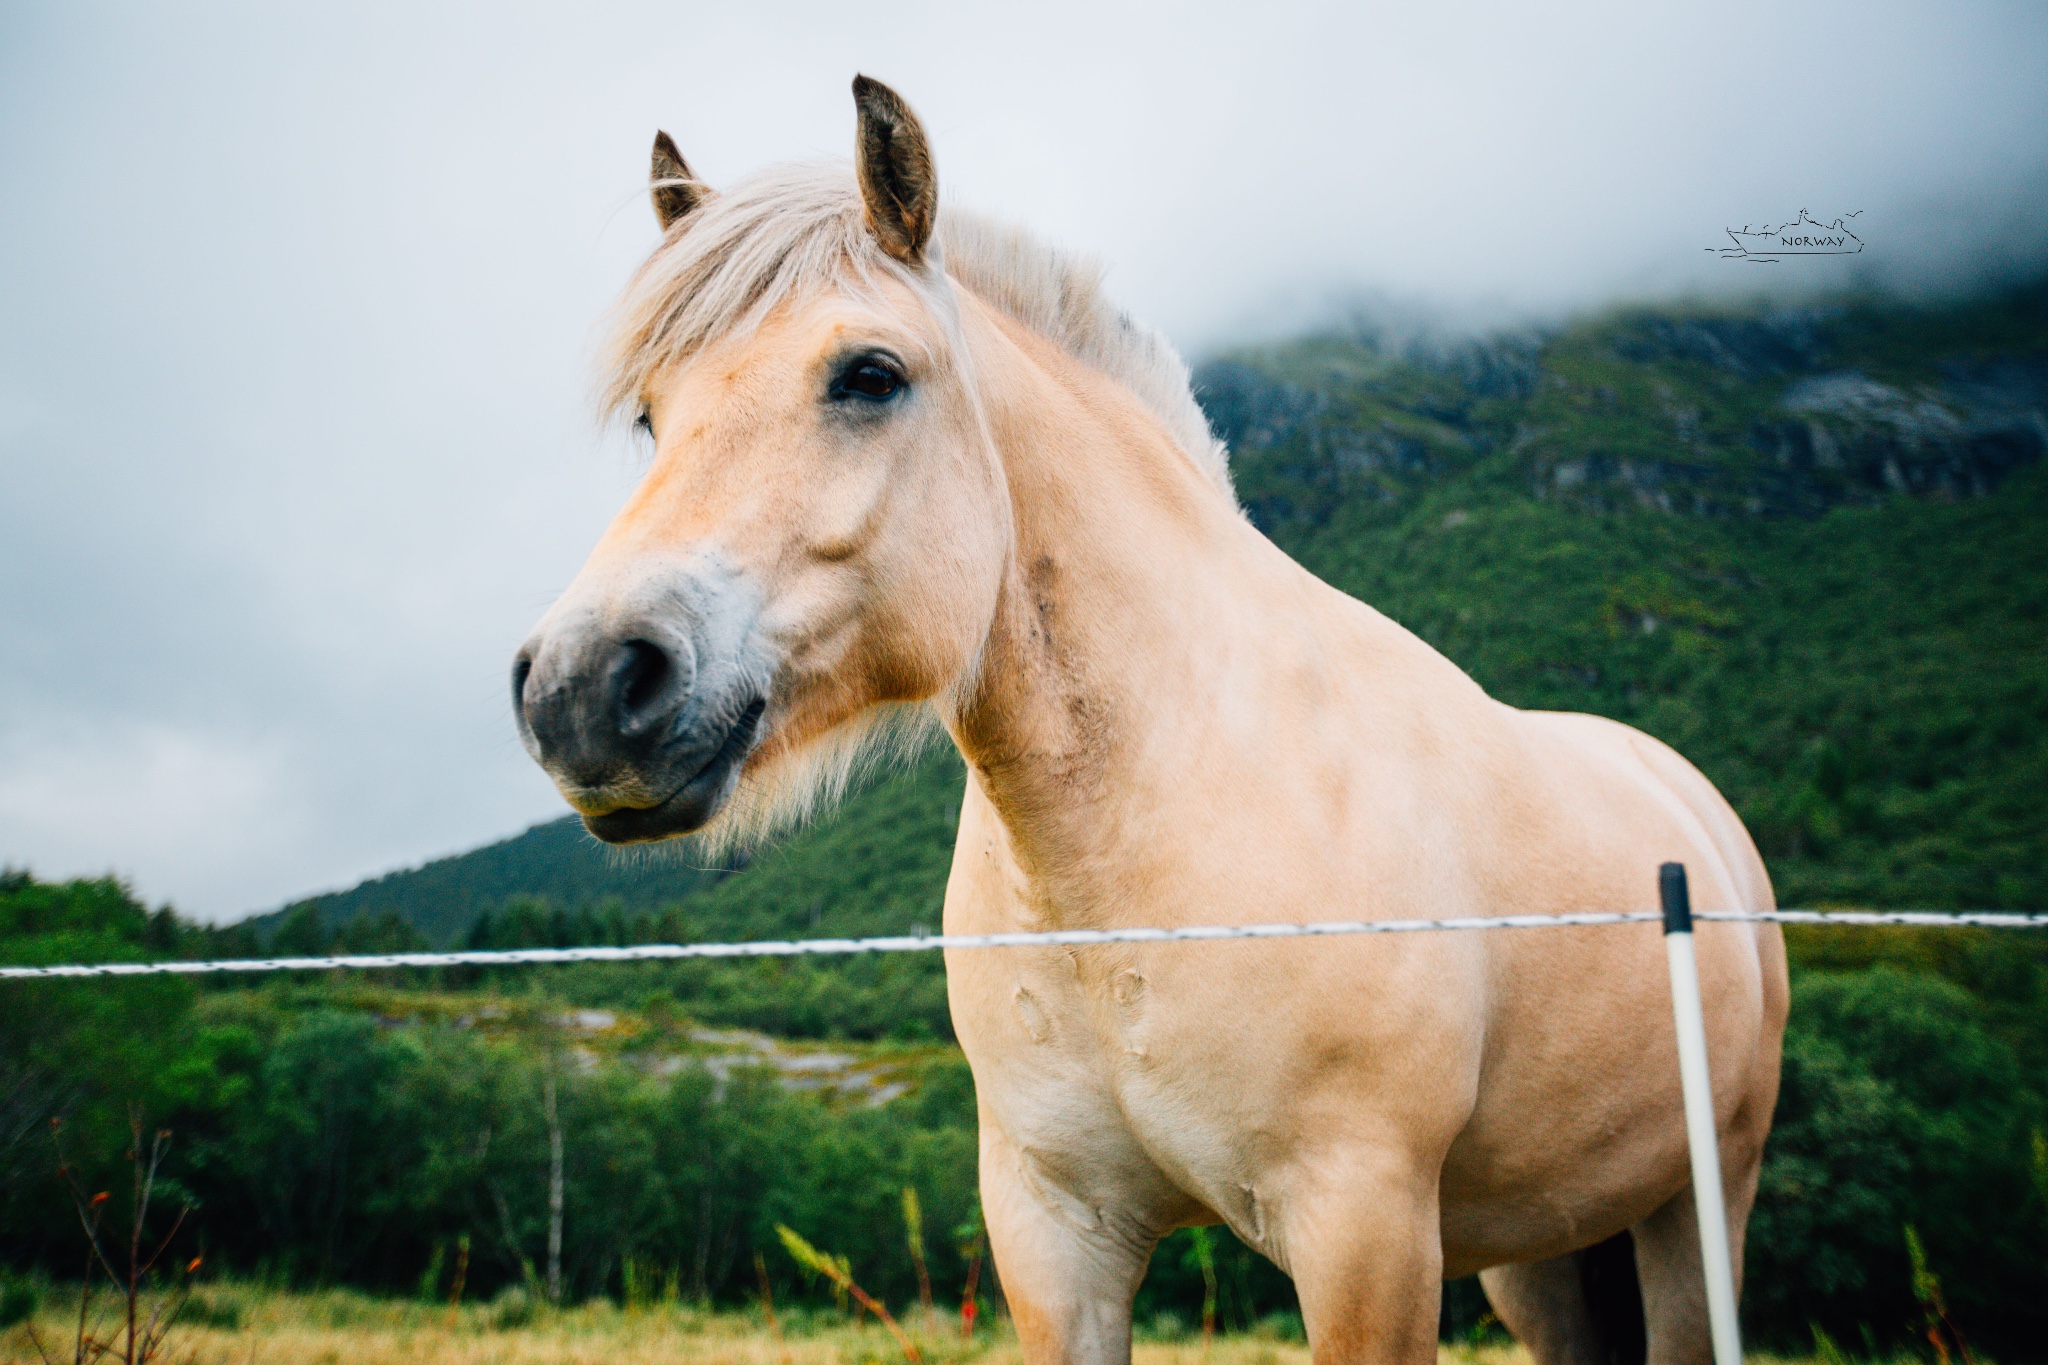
x=869, y=377
x=645, y=422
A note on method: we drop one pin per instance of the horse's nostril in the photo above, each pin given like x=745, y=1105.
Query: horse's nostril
x=522, y=669
x=642, y=673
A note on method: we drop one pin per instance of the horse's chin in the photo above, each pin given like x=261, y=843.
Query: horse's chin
x=672, y=819
x=692, y=805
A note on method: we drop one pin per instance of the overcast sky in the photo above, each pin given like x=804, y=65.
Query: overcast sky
x=296, y=306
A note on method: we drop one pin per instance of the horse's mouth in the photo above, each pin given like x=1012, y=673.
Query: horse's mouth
x=692, y=804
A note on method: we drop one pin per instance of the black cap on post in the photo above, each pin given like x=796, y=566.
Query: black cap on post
x=1677, y=902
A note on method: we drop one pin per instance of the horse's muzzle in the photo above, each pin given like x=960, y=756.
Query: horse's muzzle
x=643, y=742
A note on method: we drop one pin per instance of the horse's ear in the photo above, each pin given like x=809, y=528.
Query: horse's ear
x=676, y=190
x=894, y=163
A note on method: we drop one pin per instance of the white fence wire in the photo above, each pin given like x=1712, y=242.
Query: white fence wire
x=917, y=943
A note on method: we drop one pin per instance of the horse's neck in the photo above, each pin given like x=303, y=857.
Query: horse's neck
x=1133, y=586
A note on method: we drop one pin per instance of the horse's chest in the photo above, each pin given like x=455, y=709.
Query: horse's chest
x=1089, y=1065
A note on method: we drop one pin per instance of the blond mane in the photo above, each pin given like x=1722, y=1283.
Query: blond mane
x=799, y=229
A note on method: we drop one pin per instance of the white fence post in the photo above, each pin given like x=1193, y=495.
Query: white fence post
x=1699, y=1115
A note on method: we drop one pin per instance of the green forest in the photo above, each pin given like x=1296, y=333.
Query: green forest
x=1802, y=545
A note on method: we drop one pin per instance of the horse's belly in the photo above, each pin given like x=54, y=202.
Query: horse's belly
x=1529, y=1195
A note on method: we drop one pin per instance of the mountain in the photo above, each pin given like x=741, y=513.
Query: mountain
x=1805, y=546
x=556, y=861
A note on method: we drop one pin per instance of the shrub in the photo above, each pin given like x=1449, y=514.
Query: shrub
x=513, y=1308
x=1899, y=1106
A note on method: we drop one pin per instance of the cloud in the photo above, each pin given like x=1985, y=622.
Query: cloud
x=294, y=443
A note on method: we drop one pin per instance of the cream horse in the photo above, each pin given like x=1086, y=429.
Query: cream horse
x=910, y=464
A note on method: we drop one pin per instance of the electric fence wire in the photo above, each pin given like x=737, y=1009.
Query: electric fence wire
x=916, y=943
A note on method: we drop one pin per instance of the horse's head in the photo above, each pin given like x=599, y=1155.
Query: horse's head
x=821, y=531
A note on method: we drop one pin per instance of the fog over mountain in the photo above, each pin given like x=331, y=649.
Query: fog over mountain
x=296, y=308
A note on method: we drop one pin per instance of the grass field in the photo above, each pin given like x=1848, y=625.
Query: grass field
x=249, y=1327
x=237, y=1327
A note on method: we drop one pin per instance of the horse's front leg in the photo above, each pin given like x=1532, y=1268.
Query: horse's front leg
x=1070, y=1260
x=1365, y=1245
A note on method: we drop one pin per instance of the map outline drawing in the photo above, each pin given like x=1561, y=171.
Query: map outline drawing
x=1802, y=236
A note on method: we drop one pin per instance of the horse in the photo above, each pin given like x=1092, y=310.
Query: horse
x=910, y=468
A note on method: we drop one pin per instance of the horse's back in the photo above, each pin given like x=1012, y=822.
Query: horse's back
x=1725, y=872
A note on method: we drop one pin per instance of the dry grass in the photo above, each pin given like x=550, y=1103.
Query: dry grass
x=341, y=1328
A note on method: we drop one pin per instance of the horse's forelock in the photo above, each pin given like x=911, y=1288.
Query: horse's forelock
x=800, y=229
x=728, y=263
